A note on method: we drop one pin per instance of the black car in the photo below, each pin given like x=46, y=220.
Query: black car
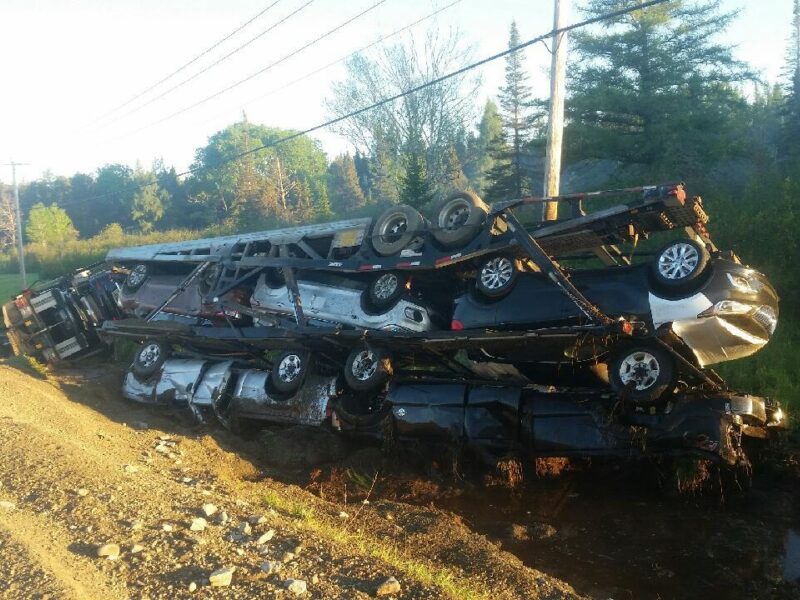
x=708, y=306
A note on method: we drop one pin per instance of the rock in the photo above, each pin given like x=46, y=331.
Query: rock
x=315, y=579
x=186, y=480
x=221, y=577
x=131, y=469
x=136, y=548
x=344, y=515
x=137, y=525
x=198, y=524
x=82, y=492
x=287, y=557
x=296, y=586
x=387, y=587
x=542, y=531
x=222, y=518
x=162, y=449
x=257, y=520
x=140, y=425
x=192, y=586
x=244, y=528
x=167, y=527
x=109, y=551
x=271, y=567
x=7, y=505
x=265, y=537
x=208, y=509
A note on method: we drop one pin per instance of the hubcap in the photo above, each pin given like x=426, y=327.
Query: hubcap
x=289, y=368
x=365, y=365
x=642, y=368
x=149, y=355
x=497, y=273
x=385, y=286
x=136, y=277
x=678, y=261
x=454, y=215
x=394, y=227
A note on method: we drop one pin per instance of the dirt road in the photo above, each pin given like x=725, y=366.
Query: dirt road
x=82, y=468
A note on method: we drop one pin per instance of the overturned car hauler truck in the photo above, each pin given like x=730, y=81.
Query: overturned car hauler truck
x=467, y=326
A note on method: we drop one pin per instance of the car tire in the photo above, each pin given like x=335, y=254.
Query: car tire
x=149, y=358
x=642, y=373
x=289, y=371
x=274, y=278
x=459, y=218
x=496, y=276
x=367, y=369
x=385, y=290
x=680, y=265
x=136, y=278
x=396, y=228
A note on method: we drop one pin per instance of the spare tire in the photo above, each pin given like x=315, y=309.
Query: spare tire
x=396, y=228
x=459, y=219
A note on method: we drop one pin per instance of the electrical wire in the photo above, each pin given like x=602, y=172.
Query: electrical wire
x=184, y=66
x=397, y=96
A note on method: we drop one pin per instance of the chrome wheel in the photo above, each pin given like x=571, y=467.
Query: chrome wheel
x=678, y=261
x=290, y=368
x=385, y=286
x=364, y=365
x=641, y=368
x=137, y=276
x=497, y=273
x=149, y=355
x=393, y=227
x=454, y=214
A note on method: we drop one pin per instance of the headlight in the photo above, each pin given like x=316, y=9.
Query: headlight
x=728, y=307
x=767, y=318
x=745, y=283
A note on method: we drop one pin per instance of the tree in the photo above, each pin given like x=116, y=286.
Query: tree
x=8, y=220
x=344, y=190
x=435, y=116
x=148, y=207
x=481, y=161
x=653, y=88
x=508, y=172
x=383, y=188
x=791, y=108
x=415, y=189
x=49, y=226
x=455, y=180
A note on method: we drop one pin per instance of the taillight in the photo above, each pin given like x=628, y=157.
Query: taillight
x=456, y=325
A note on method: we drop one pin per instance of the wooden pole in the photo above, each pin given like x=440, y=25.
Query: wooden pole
x=555, y=126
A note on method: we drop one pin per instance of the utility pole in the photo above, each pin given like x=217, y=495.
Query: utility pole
x=555, y=126
x=20, y=248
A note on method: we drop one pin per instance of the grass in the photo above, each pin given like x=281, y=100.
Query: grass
x=11, y=285
x=448, y=581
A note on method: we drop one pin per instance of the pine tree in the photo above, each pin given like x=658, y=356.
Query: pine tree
x=345, y=191
x=790, y=133
x=654, y=88
x=415, y=189
x=383, y=188
x=455, y=180
x=508, y=174
x=480, y=147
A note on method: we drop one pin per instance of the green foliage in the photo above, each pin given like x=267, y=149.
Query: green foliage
x=344, y=189
x=148, y=207
x=480, y=148
x=49, y=226
x=415, y=189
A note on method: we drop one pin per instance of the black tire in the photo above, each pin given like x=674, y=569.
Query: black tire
x=137, y=276
x=274, y=278
x=642, y=373
x=367, y=369
x=459, y=219
x=396, y=228
x=680, y=265
x=496, y=276
x=385, y=290
x=289, y=371
x=149, y=358
x=361, y=410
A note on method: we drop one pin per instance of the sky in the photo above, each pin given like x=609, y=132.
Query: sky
x=71, y=67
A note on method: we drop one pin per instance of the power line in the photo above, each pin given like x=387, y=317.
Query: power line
x=211, y=66
x=399, y=95
x=345, y=57
x=191, y=62
x=265, y=69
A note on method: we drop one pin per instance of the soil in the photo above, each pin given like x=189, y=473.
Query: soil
x=82, y=467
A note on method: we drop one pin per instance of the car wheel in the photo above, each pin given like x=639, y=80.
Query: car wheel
x=367, y=369
x=395, y=229
x=149, y=358
x=459, y=219
x=496, y=276
x=274, y=278
x=643, y=373
x=680, y=264
x=289, y=371
x=137, y=277
x=385, y=290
